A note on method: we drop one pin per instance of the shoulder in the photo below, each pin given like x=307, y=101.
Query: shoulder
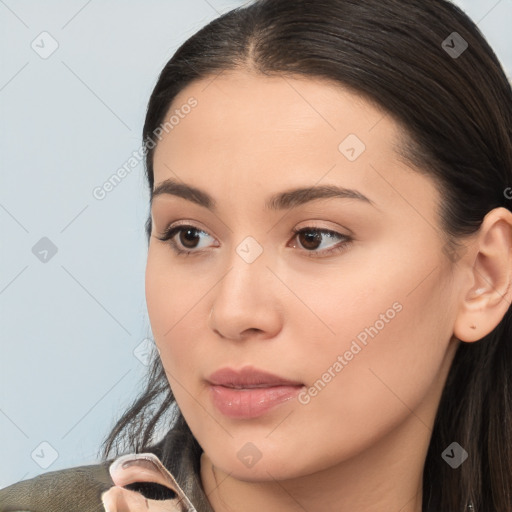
x=80, y=488
x=77, y=488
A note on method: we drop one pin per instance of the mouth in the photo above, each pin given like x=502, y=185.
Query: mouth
x=249, y=392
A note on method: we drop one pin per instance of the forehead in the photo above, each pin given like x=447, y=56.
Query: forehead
x=242, y=116
x=258, y=101
x=251, y=135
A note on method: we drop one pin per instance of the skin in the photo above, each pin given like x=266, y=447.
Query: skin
x=360, y=443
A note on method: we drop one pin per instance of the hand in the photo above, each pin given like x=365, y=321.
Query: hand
x=142, y=467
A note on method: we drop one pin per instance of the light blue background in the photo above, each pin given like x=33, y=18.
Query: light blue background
x=69, y=327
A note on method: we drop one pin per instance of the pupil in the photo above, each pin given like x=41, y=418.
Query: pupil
x=187, y=234
x=315, y=239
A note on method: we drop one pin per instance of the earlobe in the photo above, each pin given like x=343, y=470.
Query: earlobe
x=488, y=294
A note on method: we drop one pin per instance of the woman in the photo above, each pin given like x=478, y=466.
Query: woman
x=329, y=271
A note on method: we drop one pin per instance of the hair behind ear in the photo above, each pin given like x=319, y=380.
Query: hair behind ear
x=475, y=411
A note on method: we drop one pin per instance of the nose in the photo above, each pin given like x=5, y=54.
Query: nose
x=246, y=303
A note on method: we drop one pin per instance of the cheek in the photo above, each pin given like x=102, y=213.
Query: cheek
x=389, y=336
x=387, y=353
x=174, y=306
x=170, y=293
x=153, y=277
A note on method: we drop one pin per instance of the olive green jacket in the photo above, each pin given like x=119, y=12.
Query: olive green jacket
x=80, y=489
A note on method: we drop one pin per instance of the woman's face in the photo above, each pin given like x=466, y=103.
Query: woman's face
x=353, y=316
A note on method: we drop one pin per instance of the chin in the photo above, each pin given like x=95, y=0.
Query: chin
x=266, y=469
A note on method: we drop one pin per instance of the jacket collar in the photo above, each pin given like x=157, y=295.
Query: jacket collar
x=178, y=461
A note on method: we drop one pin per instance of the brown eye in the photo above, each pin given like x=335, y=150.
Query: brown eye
x=188, y=237
x=187, y=241
x=311, y=239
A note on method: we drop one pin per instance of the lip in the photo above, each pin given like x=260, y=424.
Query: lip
x=248, y=377
x=249, y=392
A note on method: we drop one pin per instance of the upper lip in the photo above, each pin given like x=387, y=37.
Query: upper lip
x=248, y=377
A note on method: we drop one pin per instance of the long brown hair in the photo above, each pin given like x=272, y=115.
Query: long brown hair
x=428, y=65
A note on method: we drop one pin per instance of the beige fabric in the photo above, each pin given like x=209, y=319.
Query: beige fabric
x=142, y=467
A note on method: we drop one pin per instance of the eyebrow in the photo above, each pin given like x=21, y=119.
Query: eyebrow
x=281, y=201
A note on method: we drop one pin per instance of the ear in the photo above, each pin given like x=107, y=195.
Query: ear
x=487, y=293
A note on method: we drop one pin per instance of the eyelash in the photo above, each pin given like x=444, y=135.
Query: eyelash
x=172, y=231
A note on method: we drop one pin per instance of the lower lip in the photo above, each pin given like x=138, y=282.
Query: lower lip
x=250, y=403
